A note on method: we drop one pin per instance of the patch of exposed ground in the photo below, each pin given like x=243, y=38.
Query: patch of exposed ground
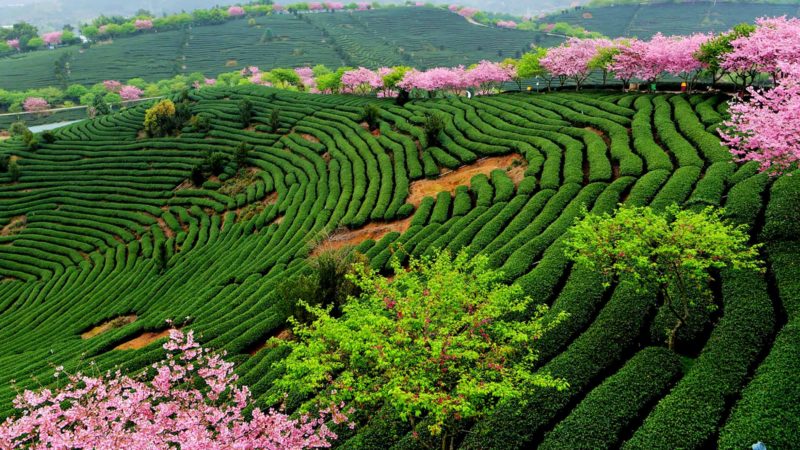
x=231, y=63
x=112, y=324
x=448, y=181
x=16, y=225
x=143, y=340
x=346, y=237
x=309, y=138
x=283, y=334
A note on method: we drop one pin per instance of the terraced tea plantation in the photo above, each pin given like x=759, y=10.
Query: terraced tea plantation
x=645, y=20
x=419, y=37
x=84, y=227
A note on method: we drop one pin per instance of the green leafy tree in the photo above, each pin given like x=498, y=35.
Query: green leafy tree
x=275, y=120
x=326, y=284
x=712, y=53
x=242, y=153
x=432, y=343
x=245, y=112
x=433, y=126
x=62, y=69
x=197, y=175
x=100, y=106
x=13, y=171
x=529, y=65
x=603, y=60
x=372, y=115
x=671, y=253
x=216, y=161
x=159, y=120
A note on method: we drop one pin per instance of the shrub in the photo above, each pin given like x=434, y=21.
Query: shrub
x=159, y=121
x=245, y=112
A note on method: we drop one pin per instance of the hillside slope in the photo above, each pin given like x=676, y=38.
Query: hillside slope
x=84, y=225
x=645, y=20
x=419, y=37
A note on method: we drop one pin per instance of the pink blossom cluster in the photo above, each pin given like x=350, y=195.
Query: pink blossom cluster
x=507, y=24
x=454, y=8
x=53, y=38
x=235, y=11
x=143, y=24
x=13, y=43
x=315, y=6
x=189, y=400
x=129, y=93
x=775, y=41
x=112, y=85
x=277, y=8
x=35, y=104
x=766, y=127
x=484, y=77
x=468, y=12
x=306, y=75
x=334, y=6
x=361, y=81
x=649, y=60
x=571, y=60
x=363, y=6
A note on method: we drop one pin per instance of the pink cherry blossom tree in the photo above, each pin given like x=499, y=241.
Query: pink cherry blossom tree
x=680, y=60
x=189, y=400
x=361, y=81
x=766, y=127
x=363, y=6
x=129, y=93
x=487, y=76
x=334, y=6
x=35, y=104
x=453, y=8
x=315, y=6
x=143, y=24
x=510, y=24
x=235, y=11
x=112, y=85
x=572, y=59
x=775, y=41
x=13, y=43
x=468, y=12
x=53, y=38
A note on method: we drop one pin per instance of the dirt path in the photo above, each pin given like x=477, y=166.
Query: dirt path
x=449, y=181
x=143, y=340
x=109, y=325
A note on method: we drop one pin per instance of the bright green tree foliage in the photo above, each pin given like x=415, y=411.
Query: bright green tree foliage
x=672, y=252
x=436, y=341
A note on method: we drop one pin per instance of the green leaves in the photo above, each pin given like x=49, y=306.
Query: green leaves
x=673, y=253
x=434, y=341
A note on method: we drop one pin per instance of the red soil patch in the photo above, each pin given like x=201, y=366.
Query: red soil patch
x=309, y=138
x=109, y=325
x=283, y=334
x=165, y=228
x=143, y=340
x=14, y=226
x=450, y=180
x=351, y=238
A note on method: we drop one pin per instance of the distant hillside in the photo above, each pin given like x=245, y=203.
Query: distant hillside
x=644, y=20
x=419, y=37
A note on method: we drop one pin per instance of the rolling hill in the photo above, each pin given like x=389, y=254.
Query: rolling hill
x=84, y=224
x=645, y=20
x=419, y=37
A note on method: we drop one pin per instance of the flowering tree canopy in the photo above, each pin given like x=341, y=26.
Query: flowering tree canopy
x=129, y=93
x=507, y=24
x=487, y=75
x=35, y=104
x=315, y=6
x=53, y=38
x=189, y=400
x=143, y=24
x=774, y=41
x=361, y=81
x=334, y=6
x=235, y=11
x=112, y=85
x=13, y=43
x=572, y=59
x=766, y=127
